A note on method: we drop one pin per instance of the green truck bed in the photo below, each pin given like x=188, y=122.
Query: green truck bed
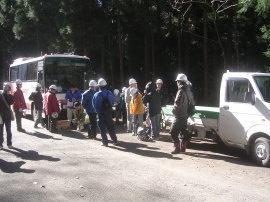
x=201, y=112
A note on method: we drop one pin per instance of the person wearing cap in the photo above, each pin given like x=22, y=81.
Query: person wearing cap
x=6, y=99
x=180, y=113
x=72, y=95
x=164, y=98
x=87, y=103
x=38, y=103
x=51, y=107
x=19, y=105
x=104, y=120
x=117, y=105
x=152, y=99
x=132, y=84
x=122, y=106
x=136, y=109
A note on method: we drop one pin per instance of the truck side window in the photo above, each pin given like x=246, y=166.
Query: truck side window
x=237, y=89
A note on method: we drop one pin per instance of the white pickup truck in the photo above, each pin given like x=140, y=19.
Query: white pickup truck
x=242, y=119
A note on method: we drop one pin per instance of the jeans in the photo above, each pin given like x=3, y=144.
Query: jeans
x=106, y=122
x=179, y=125
x=18, y=116
x=92, y=130
x=39, y=118
x=7, y=123
x=155, y=125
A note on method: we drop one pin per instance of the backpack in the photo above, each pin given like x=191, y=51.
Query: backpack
x=191, y=106
x=106, y=107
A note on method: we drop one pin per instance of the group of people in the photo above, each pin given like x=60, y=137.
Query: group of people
x=131, y=105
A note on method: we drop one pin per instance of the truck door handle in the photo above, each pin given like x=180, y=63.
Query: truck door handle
x=226, y=107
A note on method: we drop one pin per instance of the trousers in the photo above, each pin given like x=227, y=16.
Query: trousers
x=7, y=123
x=179, y=126
x=106, y=122
x=92, y=130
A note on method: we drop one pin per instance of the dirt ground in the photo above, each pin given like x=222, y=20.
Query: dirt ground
x=68, y=166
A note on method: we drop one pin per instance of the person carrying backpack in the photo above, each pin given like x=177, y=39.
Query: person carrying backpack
x=180, y=113
x=103, y=101
x=38, y=102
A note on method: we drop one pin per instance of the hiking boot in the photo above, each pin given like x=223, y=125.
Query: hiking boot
x=183, y=146
x=116, y=143
x=176, y=149
x=104, y=145
x=36, y=127
x=10, y=147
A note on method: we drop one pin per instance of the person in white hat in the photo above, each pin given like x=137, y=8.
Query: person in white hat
x=162, y=92
x=51, y=108
x=103, y=101
x=122, y=106
x=19, y=105
x=37, y=98
x=180, y=113
x=87, y=103
x=6, y=99
x=132, y=84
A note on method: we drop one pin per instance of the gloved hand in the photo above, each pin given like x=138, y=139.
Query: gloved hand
x=20, y=110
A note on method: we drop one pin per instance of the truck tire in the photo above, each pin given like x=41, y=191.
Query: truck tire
x=260, y=151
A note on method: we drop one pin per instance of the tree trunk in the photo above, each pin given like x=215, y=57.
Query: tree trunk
x=103, y=58
x=153, y=54
x=146, y=55
x=120, y=51
x=179, y=41
x=205, y=56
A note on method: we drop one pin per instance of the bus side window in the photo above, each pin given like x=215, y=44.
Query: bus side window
x=13, y=73
x=32, y=71
x=22, y=72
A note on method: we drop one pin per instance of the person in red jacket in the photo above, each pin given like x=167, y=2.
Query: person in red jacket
x=19, y=105
x=51, y=108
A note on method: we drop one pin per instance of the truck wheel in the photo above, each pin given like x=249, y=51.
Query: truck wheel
x=260, y=151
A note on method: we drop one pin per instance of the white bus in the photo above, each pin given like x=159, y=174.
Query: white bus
x=59, y=69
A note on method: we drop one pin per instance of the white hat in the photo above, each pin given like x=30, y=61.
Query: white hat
x=38, y=85
x=115, y=92
x=7, y=84
x=124, y=89
x=18, y=81
x=159, y=81
x=132, y=81
x=53, y=87
x=102, y=82
x=93, y=83
x=133, y=91
x=181, y=77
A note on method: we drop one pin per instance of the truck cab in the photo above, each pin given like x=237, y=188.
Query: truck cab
x=244, y=119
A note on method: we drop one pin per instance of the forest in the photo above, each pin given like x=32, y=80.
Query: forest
x=143, y=39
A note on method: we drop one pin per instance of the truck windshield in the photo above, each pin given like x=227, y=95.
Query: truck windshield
x=263, y=83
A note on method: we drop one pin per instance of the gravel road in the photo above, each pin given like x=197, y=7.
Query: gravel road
x=70, y=167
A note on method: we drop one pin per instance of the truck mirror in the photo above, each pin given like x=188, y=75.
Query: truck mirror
x=249, y=97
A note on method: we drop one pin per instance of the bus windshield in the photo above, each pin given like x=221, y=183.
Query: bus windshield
x=67, y=71
x=263, y=83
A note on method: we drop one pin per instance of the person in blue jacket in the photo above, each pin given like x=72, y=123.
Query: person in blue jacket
x=87, y=103
x=72, y=95
x=105, y=120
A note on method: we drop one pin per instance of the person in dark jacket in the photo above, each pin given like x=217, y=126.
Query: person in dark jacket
x=105, y=120
x=164, y=97
x=152, y=98
x=6, y=99
x=180, y=113
x=38, y=103
x=87, y=103
x=19, y=105
x=51, y=108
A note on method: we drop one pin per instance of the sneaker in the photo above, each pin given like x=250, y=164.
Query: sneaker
x=104, y=145
x=21, y=130
x=36, y=127
x=116, y=143
x=10, y=147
